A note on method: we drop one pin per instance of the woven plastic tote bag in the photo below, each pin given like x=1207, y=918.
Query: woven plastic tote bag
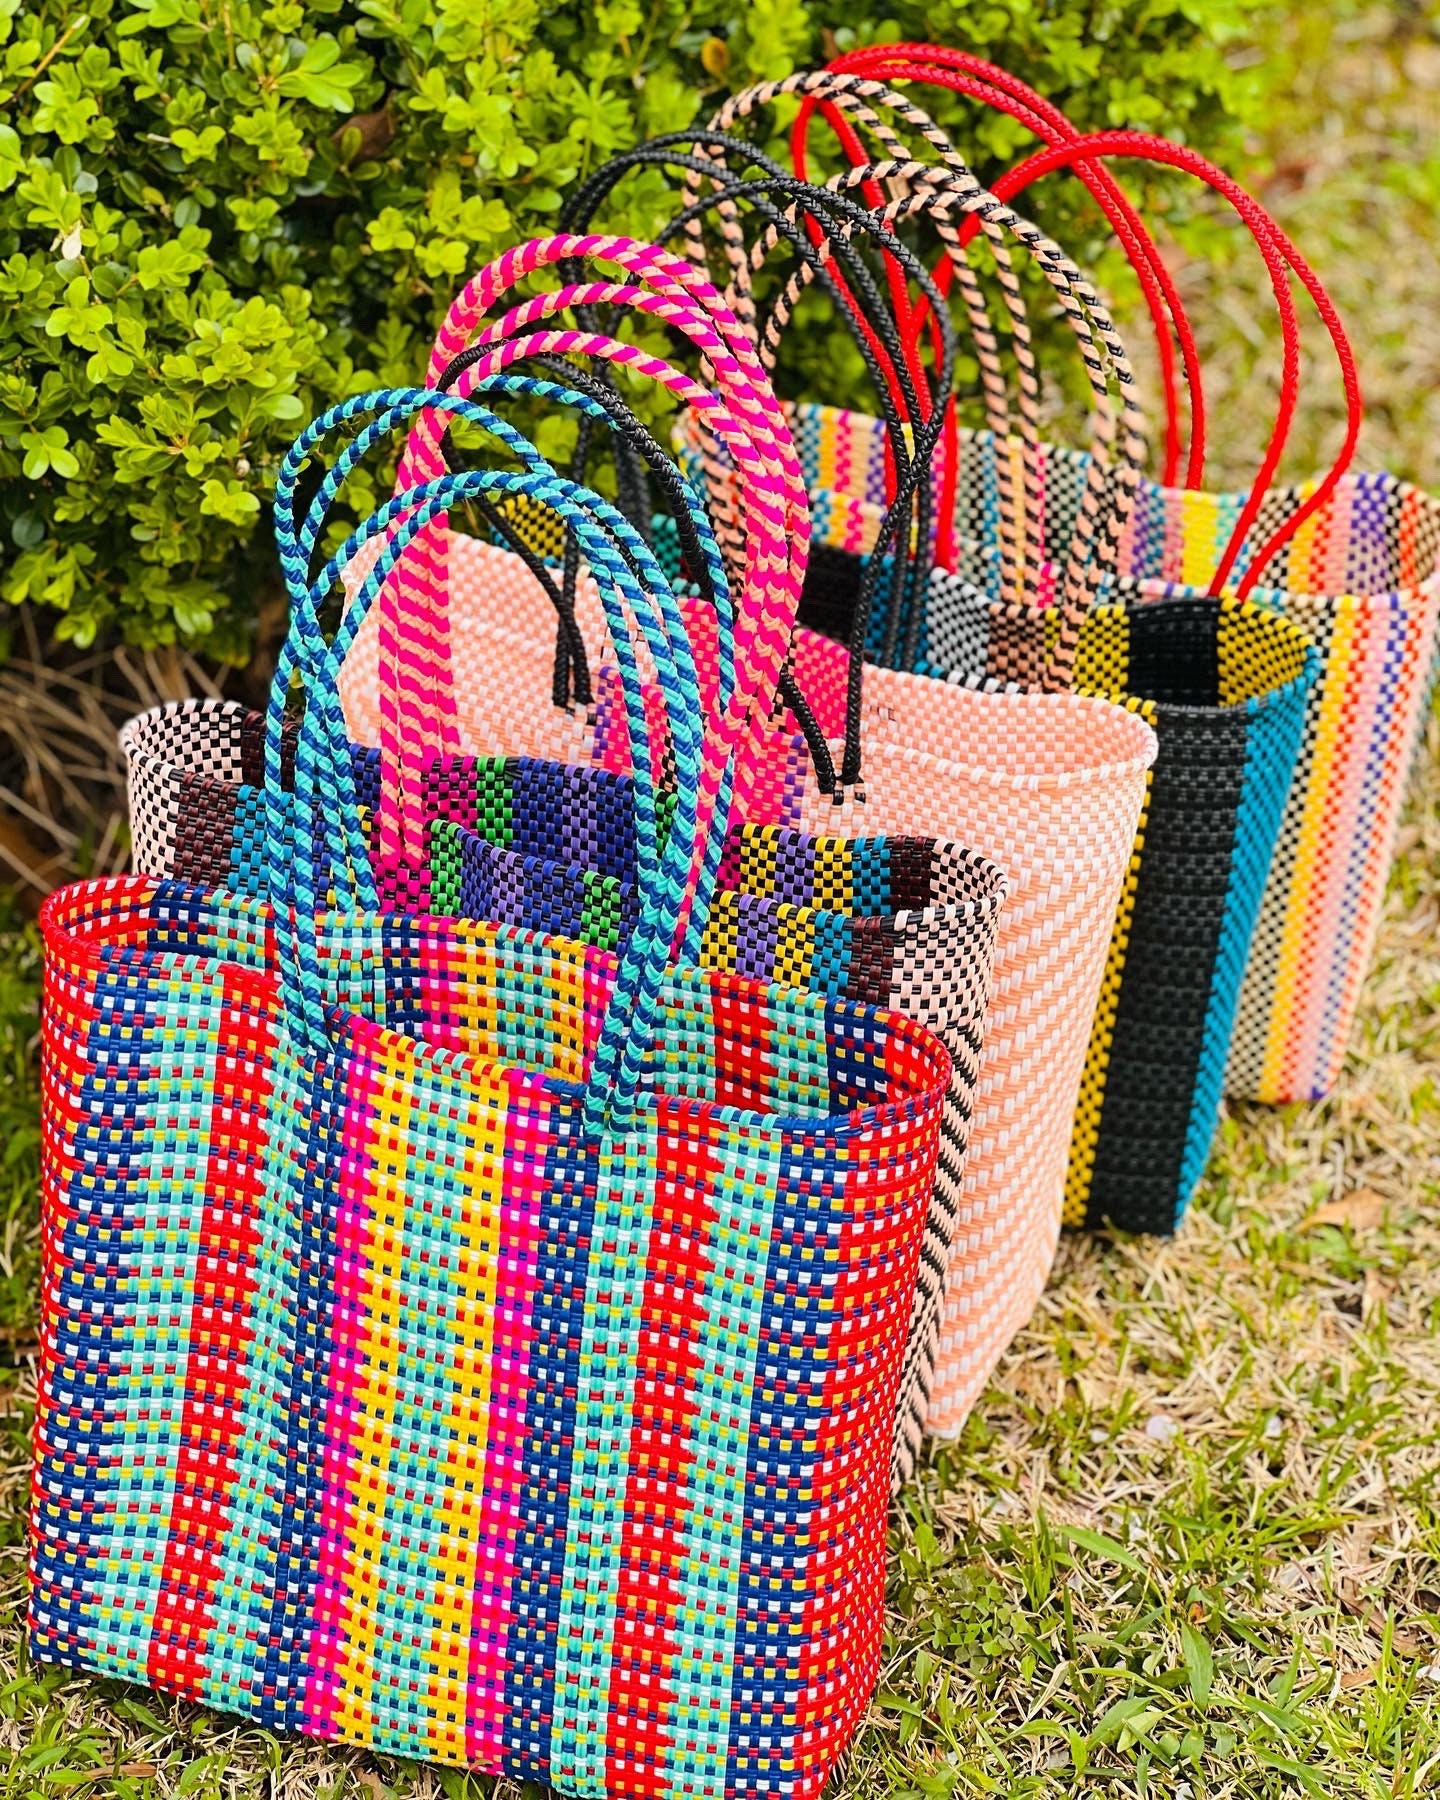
x=1359, y=572
x=557, y=1293
x=932, y=960
x=905, y=923
x=1224, y=682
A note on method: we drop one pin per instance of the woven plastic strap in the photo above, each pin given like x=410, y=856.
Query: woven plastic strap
x=774, y=514
x=323, y=787
x=1111, y=478
x=629, y=545
x=706, y=157
x=943, y=67
x=1280, y=254
x=850, y=100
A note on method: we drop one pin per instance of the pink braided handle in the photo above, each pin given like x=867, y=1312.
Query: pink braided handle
x=416, y=676
x=762, y=526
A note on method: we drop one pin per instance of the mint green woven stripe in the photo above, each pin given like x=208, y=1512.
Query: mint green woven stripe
x=600, y=1465
x=247, y=1558
x=157, y=1331
x=702, y=1676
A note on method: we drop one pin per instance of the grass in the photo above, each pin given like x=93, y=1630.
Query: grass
x=1190, y=1543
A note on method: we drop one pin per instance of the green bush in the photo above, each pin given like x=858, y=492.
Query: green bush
x=216, y=215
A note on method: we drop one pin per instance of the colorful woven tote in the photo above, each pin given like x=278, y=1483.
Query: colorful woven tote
x=1359, y=572
x=1223, y=682
x=519, y=1396
x=931, y=957
x=1051, y=789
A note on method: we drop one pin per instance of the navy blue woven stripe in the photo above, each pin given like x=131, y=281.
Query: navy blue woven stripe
x=855, y=1053
x=104, y=1194
x=561, y=1276
x=808, y=1233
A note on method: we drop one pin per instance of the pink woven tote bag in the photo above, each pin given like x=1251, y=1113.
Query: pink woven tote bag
x=1050, y=787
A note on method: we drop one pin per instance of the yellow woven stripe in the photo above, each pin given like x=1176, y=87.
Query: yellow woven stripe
x=1199, y=527
x=833, y=885
x=1086, y=1134
x=391, y=1106
x=474, y=1245
x=1102, y=657
x=757, y=862
x=719, y=942
x=1013, y=450
x=1309, y=851
x=794, y=947
x=471, y=993
x=1304, y=566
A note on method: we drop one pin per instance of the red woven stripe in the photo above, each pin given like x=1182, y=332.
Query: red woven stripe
x=657, y=1497
x=217, y=1369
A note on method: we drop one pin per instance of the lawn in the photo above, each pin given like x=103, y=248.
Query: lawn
x=1190, y=1542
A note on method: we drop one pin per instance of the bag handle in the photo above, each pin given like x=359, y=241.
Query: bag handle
x=828, y=243
x=974, y=78
x=571, y=663
x=628, y=1025
x=710, y=166
x=765, y=556
x=933, y=191
x=1280, y=255
x=776, y=511
x=1109, y=487
x=848, y=97
x=638, y=560
x=604, y=405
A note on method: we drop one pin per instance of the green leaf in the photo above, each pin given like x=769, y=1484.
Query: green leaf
x=322, y=79
x=12, y=163
x=1100, y=1545
x=228, y=500
x=1199, y=1663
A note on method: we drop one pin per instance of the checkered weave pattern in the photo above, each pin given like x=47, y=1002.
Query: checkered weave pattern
x=1360, y=578
x=379, y=1402
x=907, y=923
x=904, y=922
x=197, y=801
x=1224, y=684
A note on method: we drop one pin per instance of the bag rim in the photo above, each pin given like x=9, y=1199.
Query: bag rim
x=66, y=944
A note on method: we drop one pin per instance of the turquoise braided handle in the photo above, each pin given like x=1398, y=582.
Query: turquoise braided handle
x=324, y=793
x=632, y=547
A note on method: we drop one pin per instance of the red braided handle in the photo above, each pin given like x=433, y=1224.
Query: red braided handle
x=976, y=79
x=1281, y=258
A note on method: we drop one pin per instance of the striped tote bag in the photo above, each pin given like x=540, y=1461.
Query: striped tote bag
x=432, y=1310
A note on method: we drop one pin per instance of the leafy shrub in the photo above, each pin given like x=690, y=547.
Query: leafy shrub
x=216, y=215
